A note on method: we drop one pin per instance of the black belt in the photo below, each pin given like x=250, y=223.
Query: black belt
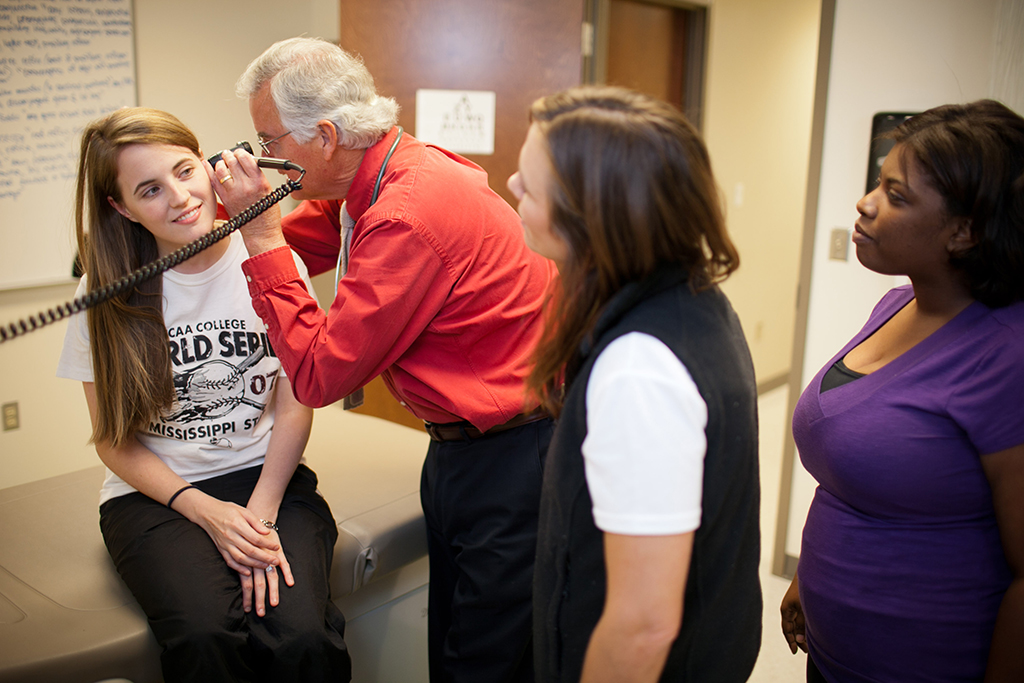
x=464, y=431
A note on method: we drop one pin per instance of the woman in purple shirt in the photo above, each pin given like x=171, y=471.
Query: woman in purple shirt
x=912, y=563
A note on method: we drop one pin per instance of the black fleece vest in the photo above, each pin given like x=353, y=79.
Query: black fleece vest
x=721, y=629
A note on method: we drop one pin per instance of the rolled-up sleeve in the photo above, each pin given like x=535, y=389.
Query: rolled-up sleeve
x=395, y=286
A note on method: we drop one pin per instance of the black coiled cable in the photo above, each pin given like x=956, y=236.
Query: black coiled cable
x=148, y=271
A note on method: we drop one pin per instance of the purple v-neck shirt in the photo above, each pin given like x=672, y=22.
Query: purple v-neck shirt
x=901, y=568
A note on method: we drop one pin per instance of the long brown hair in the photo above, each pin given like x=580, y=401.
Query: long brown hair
x=130, y=354
x=633, y=192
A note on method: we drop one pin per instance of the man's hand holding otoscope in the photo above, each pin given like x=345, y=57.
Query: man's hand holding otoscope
x=238, y=182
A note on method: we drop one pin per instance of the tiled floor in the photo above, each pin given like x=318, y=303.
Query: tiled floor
x=775, y=663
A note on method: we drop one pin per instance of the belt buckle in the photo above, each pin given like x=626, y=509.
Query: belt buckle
x=437, y=432
x=433, y=431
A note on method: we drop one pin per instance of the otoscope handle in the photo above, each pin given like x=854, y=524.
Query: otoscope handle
x=262, y=162
x=277, y=164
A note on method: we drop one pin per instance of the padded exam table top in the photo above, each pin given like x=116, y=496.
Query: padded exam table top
x=65, y=615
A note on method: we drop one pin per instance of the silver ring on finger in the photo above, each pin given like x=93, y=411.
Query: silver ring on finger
x=270, y=569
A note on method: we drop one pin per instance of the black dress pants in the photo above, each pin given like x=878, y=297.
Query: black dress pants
x=481, y=498
x=194, y=600
x=813, y=674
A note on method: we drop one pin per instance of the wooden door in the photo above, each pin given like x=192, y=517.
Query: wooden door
x=519, y=49
x=646, y=48
x=654, y=46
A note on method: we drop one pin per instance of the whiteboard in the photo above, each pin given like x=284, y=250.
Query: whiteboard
x=63, y=63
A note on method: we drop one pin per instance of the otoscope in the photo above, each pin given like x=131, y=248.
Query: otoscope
x=262, y=162
x=151, y=270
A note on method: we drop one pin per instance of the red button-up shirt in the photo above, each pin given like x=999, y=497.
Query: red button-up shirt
x=442, y=297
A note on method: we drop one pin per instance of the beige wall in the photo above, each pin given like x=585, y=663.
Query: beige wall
x=54, y=422
x=189, y=54
x=757, y=118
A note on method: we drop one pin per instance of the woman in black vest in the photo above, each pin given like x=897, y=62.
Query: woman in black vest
x=649, y=542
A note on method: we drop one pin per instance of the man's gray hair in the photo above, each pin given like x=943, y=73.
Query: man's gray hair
x=312, y=79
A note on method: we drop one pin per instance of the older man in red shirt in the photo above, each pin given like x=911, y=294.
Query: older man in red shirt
x=440, y=296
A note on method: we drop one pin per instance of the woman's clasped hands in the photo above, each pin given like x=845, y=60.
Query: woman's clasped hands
x=248, y=546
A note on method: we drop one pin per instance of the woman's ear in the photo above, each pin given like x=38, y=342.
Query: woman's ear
x=963, y=238
x=120, y=209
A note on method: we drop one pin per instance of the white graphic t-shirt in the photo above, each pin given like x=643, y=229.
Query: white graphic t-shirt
x=225, y=373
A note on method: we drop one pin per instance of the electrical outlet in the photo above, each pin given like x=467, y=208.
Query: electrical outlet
x=10, y=411
x=839, y=244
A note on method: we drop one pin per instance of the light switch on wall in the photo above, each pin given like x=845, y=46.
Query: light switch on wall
x=10, y=415
x=839, y=244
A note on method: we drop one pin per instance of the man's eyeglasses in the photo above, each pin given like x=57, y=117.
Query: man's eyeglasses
x=265, y=144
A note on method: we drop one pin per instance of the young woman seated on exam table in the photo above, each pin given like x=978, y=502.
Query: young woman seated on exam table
x=649, y=541
x=207, y=510
x=912, y=563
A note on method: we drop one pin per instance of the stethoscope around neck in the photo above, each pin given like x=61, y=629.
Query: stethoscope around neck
x=373, y=200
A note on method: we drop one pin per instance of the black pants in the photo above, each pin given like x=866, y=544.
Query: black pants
x=194, y=600
x=813, y=674
x=480, y=499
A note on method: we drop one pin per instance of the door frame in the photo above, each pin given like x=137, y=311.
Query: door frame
x=783, y=564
